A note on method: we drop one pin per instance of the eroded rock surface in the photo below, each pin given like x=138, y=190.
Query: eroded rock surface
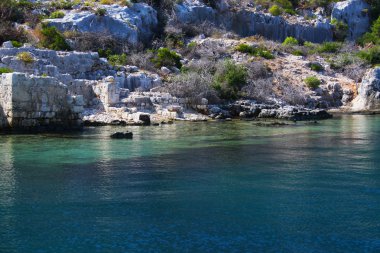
x=368, y=92
x=354, y=13
x=131, y=24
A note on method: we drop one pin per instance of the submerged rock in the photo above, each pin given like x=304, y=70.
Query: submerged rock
x=121, y=135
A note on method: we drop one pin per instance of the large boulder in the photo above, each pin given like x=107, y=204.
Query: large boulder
x=368, y=92
x=355, y=14
x=131, y=24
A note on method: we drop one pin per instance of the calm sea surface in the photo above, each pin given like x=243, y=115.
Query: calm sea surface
x=194, y=187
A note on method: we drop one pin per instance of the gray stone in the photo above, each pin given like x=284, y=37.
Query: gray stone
x=368, y=92
x=355, y=14
x=132, y=24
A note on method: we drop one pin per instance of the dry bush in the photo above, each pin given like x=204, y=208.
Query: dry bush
x=257, y=70
x=8, y=32
x=259, y=89
x=194, y=83
x=142, y=60
x=291, y=94
x=96, y=42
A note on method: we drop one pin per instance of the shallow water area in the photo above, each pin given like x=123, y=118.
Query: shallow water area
x=194, y=187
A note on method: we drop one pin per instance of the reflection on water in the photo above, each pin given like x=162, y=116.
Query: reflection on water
x=231, y=187
x=7, y=172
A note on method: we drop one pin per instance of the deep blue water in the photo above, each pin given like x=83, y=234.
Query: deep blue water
x=194, y=187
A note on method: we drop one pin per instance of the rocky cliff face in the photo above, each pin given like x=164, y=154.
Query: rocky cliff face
x=248, y=23
x=354, y=13
x=131, y=24
x=368, y=92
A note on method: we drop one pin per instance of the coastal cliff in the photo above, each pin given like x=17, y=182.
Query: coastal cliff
x=125, y=63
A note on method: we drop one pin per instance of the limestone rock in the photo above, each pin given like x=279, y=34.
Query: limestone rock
x=368, y=92
x=355, y=14
x=132, y=24
x=248, y=23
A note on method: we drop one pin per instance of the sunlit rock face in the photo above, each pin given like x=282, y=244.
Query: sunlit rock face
x=133, y=24
x=248, y=23
x=368, y=92
x=35, y=102
x=354, y=13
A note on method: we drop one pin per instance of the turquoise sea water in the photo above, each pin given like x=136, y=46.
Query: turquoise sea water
x=194, y=187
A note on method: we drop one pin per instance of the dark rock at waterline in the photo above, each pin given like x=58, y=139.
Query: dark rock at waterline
x=121, y=135
x=145, y=119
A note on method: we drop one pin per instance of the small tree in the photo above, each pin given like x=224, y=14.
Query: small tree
x=168, y=58
x=312, y=82
x=275, y=10
x=290, y=41
x=229, y=79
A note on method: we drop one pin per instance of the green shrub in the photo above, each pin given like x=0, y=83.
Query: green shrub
x=101, y=12
x=25, y=57
x=57, y=14
x=116, y=59
x=298, y=53
x=286, y=4
x=340, y=29
x=373, y=36
x=53, y=39
x=290, y=11
x=5, y=70
x=371, y=55
x=229, y=78
x=16, y=43
x=275, y=10
x=316, y=67
x=256, y=51
x=165, y=57
x=244, y=48
x=329, y=47
x=290, y=41
x=63, y=4
x=312, y=82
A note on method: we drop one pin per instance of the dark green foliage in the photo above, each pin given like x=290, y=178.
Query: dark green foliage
x=62, y=4
x=371, y=55
x=118, y=60
x=105, y=53
x=229, y=79
x=275, y=10
x=373, y=36
x=316, y=67
x=340, y=29
x=290, y=41
x=255, y=51
x=329, y=47
x=297, y=53
x=165, y=57
x=16, y=43
x=312, y=82
x=53, y=39
x=5, y=70
x=57, y=14
x=101, y=12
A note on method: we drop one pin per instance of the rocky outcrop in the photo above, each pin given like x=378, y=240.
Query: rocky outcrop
x=368, y=97
x=248, y=23
x=251, y=109
x=131, y=24
x=354, y=13
x=37, y=103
